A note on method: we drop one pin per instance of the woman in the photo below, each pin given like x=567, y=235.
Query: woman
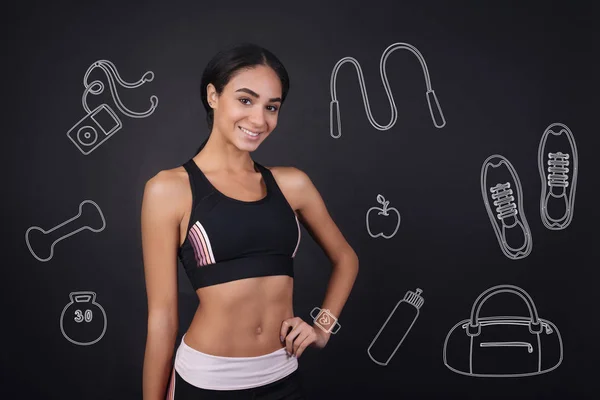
x=234, y=225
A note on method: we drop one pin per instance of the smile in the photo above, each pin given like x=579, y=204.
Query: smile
x=254, y=134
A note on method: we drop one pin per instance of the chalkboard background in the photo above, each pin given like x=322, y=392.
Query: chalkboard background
x=502, y=73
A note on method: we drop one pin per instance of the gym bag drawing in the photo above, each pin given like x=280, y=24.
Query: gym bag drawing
x=503, y=346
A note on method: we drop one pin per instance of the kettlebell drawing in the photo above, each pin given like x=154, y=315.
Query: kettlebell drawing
x=83, y=321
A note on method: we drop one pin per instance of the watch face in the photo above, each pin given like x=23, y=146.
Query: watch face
x=325, y=320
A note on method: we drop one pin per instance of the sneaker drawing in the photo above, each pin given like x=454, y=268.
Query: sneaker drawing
x=558, y=172
x=500, y=186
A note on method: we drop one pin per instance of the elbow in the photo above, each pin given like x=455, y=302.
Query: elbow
x=355, y=263
x=348, y=260
x=353, y=257
x=162, y=322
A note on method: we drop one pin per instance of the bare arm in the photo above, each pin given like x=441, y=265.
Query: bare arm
x=160, y=238
x=313, y=214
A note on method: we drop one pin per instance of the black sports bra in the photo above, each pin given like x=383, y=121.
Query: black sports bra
x=229, y=239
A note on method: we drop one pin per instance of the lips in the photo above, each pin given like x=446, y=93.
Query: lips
x=250, y=133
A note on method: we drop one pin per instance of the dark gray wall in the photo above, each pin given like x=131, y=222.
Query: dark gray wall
x=502, y=74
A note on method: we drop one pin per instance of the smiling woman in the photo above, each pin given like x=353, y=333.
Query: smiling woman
x=255, y=134
x=231, y=89
x=237, y=107
x=235, y=226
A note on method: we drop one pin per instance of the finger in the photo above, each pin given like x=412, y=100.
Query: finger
x=289, y=340
x=304, y=344
x=285, y=327
x=298, y=341
x=288, y=325
x=293, y=335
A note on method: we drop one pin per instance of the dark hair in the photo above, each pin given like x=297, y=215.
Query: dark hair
x=232, y=60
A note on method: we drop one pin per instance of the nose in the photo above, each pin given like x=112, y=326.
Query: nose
x=257, y=118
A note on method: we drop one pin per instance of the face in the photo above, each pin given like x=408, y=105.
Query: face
x=246, y=111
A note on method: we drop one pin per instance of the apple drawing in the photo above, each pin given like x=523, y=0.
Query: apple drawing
x=389, y=217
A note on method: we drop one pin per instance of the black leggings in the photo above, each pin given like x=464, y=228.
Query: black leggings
x=286, y=388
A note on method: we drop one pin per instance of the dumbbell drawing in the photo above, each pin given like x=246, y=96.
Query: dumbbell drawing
x=41, y=242
x=102, y=122
x=558, y=172
x=395, y=328
x=83, y=321
x=334, y=107
x=500, y=186
x=384, y=219
x=503, y=346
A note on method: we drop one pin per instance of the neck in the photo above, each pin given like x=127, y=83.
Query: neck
x=219, y=153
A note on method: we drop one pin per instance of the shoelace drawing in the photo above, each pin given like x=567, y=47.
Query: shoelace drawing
x=558, y=163
x=504, y=200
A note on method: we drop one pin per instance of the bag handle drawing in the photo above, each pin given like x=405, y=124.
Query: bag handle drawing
x=474, y=328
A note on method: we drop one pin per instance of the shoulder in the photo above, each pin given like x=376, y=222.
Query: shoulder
x=167, y=188
x=294, y=183
x=167, y=181
x=290, y=177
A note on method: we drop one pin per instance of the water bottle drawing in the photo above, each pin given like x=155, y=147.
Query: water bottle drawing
x=41, y=242
x=334, y=107
x=384, y=220
x=395, y=328
x=83, y=321
x=102, y=122
x=509, y=222
x=558, y=172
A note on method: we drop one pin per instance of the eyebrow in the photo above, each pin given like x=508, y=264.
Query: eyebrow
x=253, y=93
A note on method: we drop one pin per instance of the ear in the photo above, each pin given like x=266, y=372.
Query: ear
x=211, y=95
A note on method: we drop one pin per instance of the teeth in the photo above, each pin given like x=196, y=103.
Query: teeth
x=249, y=132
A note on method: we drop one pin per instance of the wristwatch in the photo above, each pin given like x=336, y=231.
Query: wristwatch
x=325, y=320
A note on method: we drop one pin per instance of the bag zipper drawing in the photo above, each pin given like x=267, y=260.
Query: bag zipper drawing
x=508, y=344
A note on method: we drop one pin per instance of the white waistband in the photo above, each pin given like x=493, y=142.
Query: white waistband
x=208, y=371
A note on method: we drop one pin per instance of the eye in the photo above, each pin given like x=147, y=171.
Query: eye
x=243, y=99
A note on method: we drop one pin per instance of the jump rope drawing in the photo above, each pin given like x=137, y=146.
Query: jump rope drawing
x=102, y=122
x=41, y=242
x=334, y=107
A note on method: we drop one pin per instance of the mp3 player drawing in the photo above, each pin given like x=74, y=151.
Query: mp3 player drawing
x=101, y=123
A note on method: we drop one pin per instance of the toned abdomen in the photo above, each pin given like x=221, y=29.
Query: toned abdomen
x=241, y=318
